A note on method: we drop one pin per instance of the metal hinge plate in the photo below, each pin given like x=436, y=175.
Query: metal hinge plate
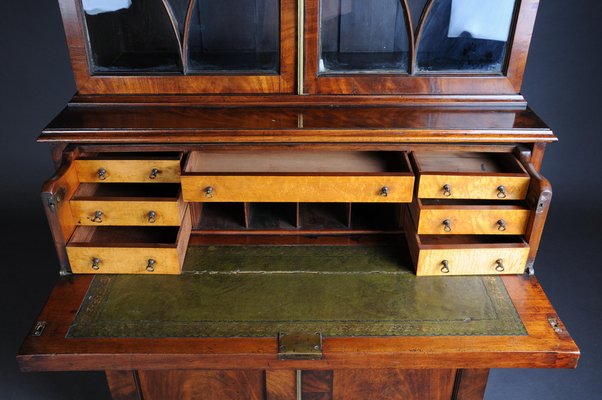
x=300, y=346
x=55, y=200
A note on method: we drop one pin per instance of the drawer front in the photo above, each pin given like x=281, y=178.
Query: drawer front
x=473, y=187
x=135, y=171
x=476, y=221
x=123, y=260
x=339, y=189
x=472, y=261
x=126, y=213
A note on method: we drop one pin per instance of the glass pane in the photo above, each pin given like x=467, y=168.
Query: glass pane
x=131, y=36
x=363, y=36
x=234, y=36
x=465, y=36
x=416, y=8
x=179, y=8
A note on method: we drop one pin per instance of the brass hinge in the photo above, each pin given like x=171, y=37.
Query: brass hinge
x=39, y=328
x=299, y=346
x=55, y=199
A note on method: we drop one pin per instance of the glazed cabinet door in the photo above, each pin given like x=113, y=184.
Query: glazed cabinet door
x=415, y=46
x=182, y=46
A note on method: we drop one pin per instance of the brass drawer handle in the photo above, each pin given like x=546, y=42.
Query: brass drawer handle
x=152, y=217
x=384, y=191
x=209, y=191
x=501, y=192
x=447, y=225
x=102, y=174
x=499, y=265
x=445, y=267
x=447, y=190
x=150, y=267
x=97, y=217
x=96, y=264
x=501, y=225
x=153, y=174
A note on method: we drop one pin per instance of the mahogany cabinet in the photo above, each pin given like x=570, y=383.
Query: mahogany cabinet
x=312, y=199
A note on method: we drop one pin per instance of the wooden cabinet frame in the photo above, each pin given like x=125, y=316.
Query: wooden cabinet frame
x=87, y=83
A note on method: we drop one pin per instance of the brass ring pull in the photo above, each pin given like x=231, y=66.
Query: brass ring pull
x=447, y=190
x=445, y=267
x=154, y=173
x=384, y=191
x=501, y=192
x=499, y=265
x=209, y=191
x=150, y=267
x=447, y=225
x=152, y=217
x=96, y=264
x=501, y=225
x=102, y=174
x=97, y=217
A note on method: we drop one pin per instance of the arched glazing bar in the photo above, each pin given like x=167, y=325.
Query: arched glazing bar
x=131, y=37
x=358, y=36
x=233, y=36
x=464, y=36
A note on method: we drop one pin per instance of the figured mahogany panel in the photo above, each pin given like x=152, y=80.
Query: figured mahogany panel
x=205, y=385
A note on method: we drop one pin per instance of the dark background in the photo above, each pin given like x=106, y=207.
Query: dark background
x=562, y=84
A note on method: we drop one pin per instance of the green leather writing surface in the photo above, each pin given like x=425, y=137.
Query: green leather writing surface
x=251, y=291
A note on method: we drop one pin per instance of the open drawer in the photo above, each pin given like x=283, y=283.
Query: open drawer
x=129, y=250
x=470, y=175
x=127, y=204
x=298, y=176
x=472, y=217
x=126, y=167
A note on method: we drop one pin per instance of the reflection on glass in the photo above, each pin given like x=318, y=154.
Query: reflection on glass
x=465, y=36
x=234, y=36
x=128, y=36
x=363, y=36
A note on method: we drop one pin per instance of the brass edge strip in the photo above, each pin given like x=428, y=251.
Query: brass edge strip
x=299, y=391
x=300, y=42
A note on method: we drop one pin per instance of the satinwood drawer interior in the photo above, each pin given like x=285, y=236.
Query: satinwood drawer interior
x=129, y=250
x=298, y=176
x=127, y=204
x=439, y=255
x=466, y=217
x=470, y=175
x=129, y=167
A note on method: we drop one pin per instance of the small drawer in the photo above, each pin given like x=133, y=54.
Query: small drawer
x=443, y=255
x=131, y=204
x=468, y=175
x=129, y=168
x=469, y=217
x=298, y=176
x=129, y=250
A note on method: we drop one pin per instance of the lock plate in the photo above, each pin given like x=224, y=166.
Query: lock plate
x=299, y=346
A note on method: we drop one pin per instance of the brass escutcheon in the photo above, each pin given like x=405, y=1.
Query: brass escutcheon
x=445, y=267
x=499, y=265
x=153, y=174
x=96, y=264
x=150, y=267
x=501, y=192
x=447, y=190
x=447, y=225
x=501, y=225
